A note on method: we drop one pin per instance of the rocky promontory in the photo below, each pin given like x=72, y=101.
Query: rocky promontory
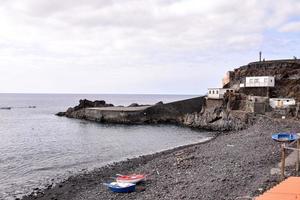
x=83, y=103
x=198, y=112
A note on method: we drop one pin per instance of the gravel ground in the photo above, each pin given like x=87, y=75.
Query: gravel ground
x=234, y=164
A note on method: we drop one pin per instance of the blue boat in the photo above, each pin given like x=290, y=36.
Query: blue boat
x=121, y=187
x=285, y=137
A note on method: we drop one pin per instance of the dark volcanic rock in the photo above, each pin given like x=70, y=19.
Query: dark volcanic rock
x=134, y=105
x=216, y=116
x=84, y=103
x=159, y=103
x=137, y=105
x=61, y=114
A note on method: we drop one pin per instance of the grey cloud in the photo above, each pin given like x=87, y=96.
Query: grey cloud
x=166, y=36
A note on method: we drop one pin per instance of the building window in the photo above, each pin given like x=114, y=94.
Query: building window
x=251, y=80
x=213, y=92
x=217, y=91
x=256, y=80
x=266, y=80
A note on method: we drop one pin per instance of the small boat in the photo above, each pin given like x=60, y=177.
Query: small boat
x=133, y=178
x=121, y=187
x=285, y=137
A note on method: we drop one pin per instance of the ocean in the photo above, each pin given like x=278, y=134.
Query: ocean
x=37, y=147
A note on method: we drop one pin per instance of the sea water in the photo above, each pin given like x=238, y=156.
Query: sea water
x=37, y=147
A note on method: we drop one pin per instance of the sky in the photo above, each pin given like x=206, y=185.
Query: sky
x=138, y=46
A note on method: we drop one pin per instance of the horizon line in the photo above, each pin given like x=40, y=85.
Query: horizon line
x=67, y=93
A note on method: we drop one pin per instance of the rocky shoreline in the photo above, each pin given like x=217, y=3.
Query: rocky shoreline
x=234, y=164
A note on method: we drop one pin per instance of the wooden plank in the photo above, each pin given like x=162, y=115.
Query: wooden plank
x=298, y=157
x=282, y=161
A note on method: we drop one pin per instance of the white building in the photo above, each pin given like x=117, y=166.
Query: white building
x=259, y=81
x=218, y=93
x=282, y=102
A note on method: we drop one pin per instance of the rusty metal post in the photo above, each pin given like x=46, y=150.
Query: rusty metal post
x=282, y=161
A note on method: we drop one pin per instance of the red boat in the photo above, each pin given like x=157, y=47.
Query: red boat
x=133, y=178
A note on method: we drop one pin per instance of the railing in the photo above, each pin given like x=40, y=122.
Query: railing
x=284, y=148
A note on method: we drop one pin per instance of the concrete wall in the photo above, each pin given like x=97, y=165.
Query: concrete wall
x=174, y=112
x=114, y=116
x=260, y=81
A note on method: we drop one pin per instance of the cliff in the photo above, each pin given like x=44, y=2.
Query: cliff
x=286, y=73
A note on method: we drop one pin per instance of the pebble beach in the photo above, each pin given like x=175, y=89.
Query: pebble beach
x=233, y=164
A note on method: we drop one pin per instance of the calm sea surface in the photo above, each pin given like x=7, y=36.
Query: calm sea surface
x=37, y=146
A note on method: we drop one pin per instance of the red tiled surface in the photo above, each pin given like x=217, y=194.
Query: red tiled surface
x=288, y=189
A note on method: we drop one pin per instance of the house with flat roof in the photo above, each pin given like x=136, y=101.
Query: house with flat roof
x=218, y=93
x=282, y=102
x=259, y=81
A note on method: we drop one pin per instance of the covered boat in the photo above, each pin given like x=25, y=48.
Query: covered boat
x=121, y=187
x=133, y=178
x=285, y=137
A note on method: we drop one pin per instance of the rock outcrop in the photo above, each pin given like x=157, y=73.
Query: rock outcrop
x=220, y=115
x=76, y=111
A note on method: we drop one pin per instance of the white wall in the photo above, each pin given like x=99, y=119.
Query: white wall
x=217, y=93
x=282, y=102
x=260, y=81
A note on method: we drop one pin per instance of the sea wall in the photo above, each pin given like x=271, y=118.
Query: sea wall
x=174, y=112
x=121, y=116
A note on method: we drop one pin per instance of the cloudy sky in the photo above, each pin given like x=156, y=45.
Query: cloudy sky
x=138, y=46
